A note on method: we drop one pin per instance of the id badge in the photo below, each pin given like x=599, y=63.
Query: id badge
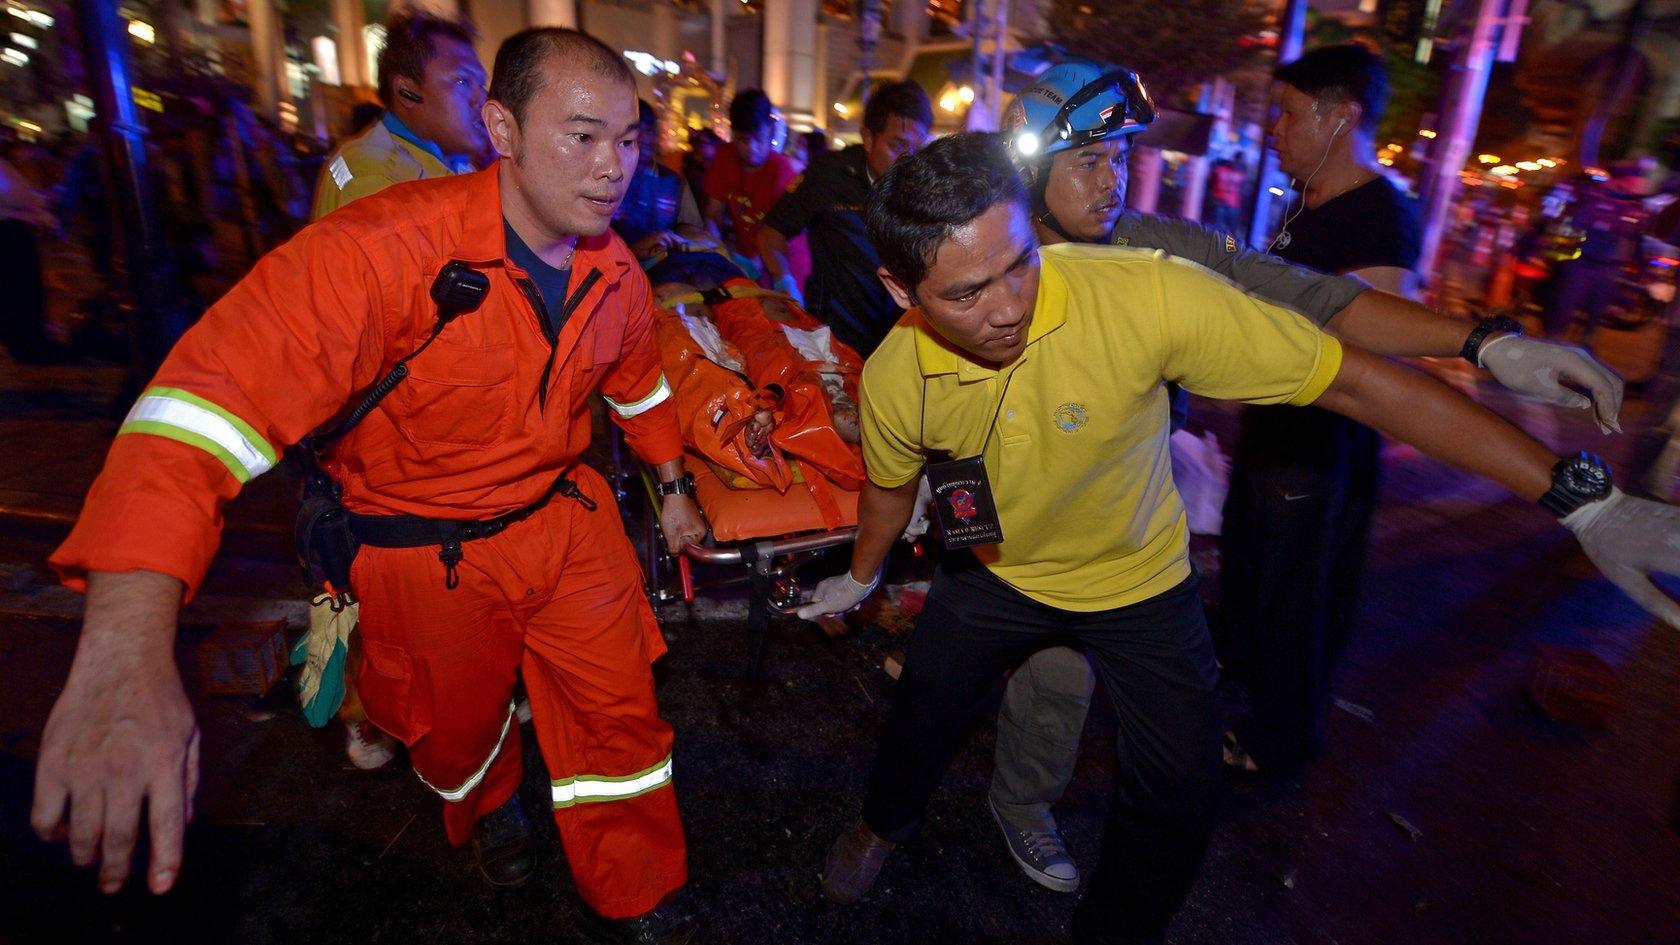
x=962, y=502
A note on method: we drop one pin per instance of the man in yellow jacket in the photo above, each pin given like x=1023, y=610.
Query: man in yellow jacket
x=432, y=87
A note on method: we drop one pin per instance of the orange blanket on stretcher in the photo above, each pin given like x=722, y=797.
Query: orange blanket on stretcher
x=741, y=349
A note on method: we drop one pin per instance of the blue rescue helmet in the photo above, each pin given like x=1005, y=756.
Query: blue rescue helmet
x=1073, y=104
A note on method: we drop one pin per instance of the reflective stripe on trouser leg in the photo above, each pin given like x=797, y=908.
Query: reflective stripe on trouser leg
x=477, y=776
x=594, y=789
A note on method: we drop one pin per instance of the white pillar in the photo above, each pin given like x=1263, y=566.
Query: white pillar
x=790, y=55
x=909, y=20
x=666, y=42
x=718, y=64
x=552, y=13
x=348, y=20
x=268, y=57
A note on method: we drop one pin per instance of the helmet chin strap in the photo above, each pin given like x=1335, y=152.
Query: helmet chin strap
x=1041, y=209
x=1049, y=219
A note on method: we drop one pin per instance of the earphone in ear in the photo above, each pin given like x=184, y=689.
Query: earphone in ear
x=411, y=96
x=1340, y=124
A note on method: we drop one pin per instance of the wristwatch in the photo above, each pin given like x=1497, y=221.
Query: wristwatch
x=1576, y=481
x=682, y=485
x=1472, y=349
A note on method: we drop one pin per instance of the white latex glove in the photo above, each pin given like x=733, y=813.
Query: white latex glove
x=837, y=595
x=1629, y=539
x=920, y=520
x=789, y=286
x=1533, y=367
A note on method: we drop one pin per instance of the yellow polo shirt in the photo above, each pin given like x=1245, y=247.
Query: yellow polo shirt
x=1078, y=459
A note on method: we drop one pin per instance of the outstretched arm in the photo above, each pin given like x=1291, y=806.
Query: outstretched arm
x=1628, y=539
x=1382, y=321
x=121, y=735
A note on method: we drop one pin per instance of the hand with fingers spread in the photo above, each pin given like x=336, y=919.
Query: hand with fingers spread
x=121, y=735
x=1540, y=369
x=1629, y=539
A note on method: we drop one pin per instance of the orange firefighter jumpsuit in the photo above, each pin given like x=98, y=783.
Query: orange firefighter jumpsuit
x=489, y=417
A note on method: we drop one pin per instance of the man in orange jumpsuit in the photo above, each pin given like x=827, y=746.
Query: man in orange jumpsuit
x=491, y=418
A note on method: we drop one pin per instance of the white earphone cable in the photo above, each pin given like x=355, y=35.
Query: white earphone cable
x=1283, y=231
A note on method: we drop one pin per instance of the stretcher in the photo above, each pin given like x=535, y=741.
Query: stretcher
x=730, y=353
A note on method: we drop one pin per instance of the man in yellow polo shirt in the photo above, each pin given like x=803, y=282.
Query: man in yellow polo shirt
x=432, y=86
x=1046, y=370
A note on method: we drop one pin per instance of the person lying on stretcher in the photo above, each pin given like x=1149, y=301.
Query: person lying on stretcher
x=765, y=353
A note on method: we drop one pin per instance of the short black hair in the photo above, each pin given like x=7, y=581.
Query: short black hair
x=907, y=100
x=1345, y=73
x=518, y=74
x=411, y=44
x=749, y=111
x=925, y=196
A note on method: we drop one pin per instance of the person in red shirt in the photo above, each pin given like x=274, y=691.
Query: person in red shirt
x=1228, y=182
x=745, y=181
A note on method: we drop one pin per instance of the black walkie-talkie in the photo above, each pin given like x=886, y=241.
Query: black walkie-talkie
x=457, y=290
x=326, y=545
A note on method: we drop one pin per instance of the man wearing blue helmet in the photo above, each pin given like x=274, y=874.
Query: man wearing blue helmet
x=1070, y=133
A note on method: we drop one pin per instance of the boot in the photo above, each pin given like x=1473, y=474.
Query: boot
x=501, y=845
x=853, y=863
x=662, y=926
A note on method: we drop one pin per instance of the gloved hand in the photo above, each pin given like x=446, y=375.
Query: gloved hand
x=1628, y=539
x=789, y=286
x=1533, y=367
x=837, y=595
x=920, y=520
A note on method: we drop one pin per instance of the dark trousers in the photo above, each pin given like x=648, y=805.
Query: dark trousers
x=1292, y=558
x=1156, y=659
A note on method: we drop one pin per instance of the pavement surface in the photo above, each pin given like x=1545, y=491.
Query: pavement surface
x=1449, y=809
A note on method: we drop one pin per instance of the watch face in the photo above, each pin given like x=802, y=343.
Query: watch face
x=1585, y=477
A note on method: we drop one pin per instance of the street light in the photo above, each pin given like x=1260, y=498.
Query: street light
x=1488, y=158
x=142, y=31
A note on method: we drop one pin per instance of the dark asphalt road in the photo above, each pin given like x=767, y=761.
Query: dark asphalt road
x=1528, y=831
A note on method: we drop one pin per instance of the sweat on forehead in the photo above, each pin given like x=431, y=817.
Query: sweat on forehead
x=925, y=196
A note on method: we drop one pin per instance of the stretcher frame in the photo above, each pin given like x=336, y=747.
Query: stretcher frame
x=772, y=564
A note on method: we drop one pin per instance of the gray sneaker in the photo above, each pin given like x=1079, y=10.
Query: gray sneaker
x=1041, y=854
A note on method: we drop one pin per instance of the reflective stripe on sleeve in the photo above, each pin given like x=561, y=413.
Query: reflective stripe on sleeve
x=593, y=789
x=478, y=775
x=190, y=419
x=661, y=393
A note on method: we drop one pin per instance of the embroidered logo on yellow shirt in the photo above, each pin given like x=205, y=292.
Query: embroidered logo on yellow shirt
x=1070, y=418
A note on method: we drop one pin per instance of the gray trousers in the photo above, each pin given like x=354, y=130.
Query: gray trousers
x=1039, y=725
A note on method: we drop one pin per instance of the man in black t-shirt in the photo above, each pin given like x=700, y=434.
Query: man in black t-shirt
x=1304, y=481
x=828, y=203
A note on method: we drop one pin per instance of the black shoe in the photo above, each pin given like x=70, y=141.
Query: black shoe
x=665, y=926
x=502, y=845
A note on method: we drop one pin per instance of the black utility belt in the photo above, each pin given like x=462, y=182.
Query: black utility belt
x=414, y=531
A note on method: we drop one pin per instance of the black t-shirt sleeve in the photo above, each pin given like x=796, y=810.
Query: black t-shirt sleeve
x=792, y=212
x=1389, y=233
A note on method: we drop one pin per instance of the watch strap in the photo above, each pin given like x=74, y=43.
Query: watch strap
x=1472, y=349
x=682, y=485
